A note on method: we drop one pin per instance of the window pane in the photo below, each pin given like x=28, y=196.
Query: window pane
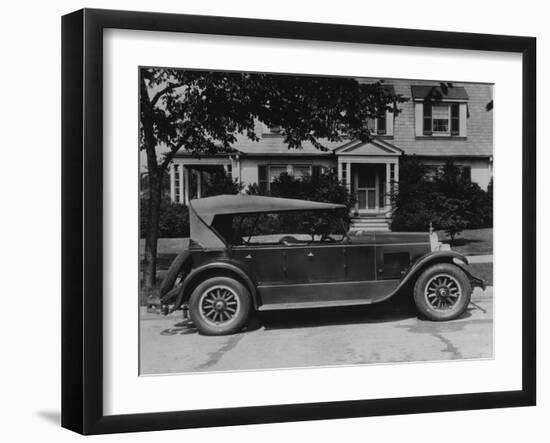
x=367, y=177
x=362, y=199
x=440, y=116
x=371, y=199
x=441, y=125
x=301, y=171
x=440, y=111
x=275, y=172
x=288, y=228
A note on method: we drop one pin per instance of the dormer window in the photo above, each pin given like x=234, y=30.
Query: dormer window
x=271, y=131
x=440, y=113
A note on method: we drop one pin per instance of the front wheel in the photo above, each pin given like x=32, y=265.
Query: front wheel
x=442, y=292
x=219, y=306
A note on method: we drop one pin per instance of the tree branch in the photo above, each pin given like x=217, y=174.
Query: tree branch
x=169, y=156
x=159, y=94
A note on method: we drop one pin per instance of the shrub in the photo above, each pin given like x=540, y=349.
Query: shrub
x=447, y=199
x=174, y=219
x=412, y=197
x=219, y=182
x=322, y=188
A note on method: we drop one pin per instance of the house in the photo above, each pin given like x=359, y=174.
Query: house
x=457, y=125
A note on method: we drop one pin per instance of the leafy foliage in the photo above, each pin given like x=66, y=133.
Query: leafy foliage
x=173, y=220
x=446, y=199
x=220, y=182
x=323, y=188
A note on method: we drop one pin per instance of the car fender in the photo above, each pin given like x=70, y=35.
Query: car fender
x=226, y=268
x=431, y=259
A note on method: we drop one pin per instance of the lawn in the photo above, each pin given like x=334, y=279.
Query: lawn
x=471, y=241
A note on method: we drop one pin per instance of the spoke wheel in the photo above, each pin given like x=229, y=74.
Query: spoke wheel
x=442, y=292
x=219, y=305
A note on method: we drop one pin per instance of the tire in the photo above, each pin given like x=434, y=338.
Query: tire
x=442, y=292
x=173, y=271
x=219, y=306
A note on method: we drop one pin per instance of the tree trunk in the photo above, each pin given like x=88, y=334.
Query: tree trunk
x=151, y=236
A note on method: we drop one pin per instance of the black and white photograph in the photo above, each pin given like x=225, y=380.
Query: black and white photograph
x=297, y=221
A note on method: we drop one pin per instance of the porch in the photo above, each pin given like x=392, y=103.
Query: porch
x=188, y=180
x=369, y=170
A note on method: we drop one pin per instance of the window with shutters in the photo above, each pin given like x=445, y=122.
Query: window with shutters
x=380, y=125
x=441, y=119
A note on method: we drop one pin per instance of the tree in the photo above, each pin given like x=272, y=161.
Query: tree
x=203, y=112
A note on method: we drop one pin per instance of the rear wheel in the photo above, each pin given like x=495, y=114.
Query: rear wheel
x=219, y=306
x=442, y=292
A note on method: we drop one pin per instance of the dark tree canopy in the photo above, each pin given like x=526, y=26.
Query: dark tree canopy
x=203, y=111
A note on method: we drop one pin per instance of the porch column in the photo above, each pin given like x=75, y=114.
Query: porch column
x=348, y=175
x=185, y=172
x=172, y=183
x=339, y=171
x=182, y=187
x=387, y=196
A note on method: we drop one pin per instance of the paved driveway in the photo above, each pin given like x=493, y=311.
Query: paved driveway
x=318, y=337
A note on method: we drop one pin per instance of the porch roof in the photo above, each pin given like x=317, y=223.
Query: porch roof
x=373, y=147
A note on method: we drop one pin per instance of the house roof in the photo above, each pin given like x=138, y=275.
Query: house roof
x=207, y=208
x=271, y=146
x=477, y=143
x=422, y=92
x=276, y=146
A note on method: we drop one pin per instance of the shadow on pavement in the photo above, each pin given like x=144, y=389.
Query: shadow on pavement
x=297, y=318
x=386, y=312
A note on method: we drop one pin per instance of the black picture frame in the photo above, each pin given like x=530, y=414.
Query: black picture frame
x=82, y=215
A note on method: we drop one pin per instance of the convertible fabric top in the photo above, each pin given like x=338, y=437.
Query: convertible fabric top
x=207, y=208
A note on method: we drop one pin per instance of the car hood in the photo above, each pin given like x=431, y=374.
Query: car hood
x=383, y=237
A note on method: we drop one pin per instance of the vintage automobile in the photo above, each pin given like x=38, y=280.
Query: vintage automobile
x=250, y=253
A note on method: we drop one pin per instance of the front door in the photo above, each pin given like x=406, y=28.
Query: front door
x=367, y=179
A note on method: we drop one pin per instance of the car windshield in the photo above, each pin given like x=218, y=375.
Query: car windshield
x=288, y=228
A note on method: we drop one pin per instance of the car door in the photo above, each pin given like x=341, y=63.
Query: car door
x=316, y=263
x=361, y=258
x=266, y=263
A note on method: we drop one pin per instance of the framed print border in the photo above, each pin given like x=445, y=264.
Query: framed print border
x=82, y=220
